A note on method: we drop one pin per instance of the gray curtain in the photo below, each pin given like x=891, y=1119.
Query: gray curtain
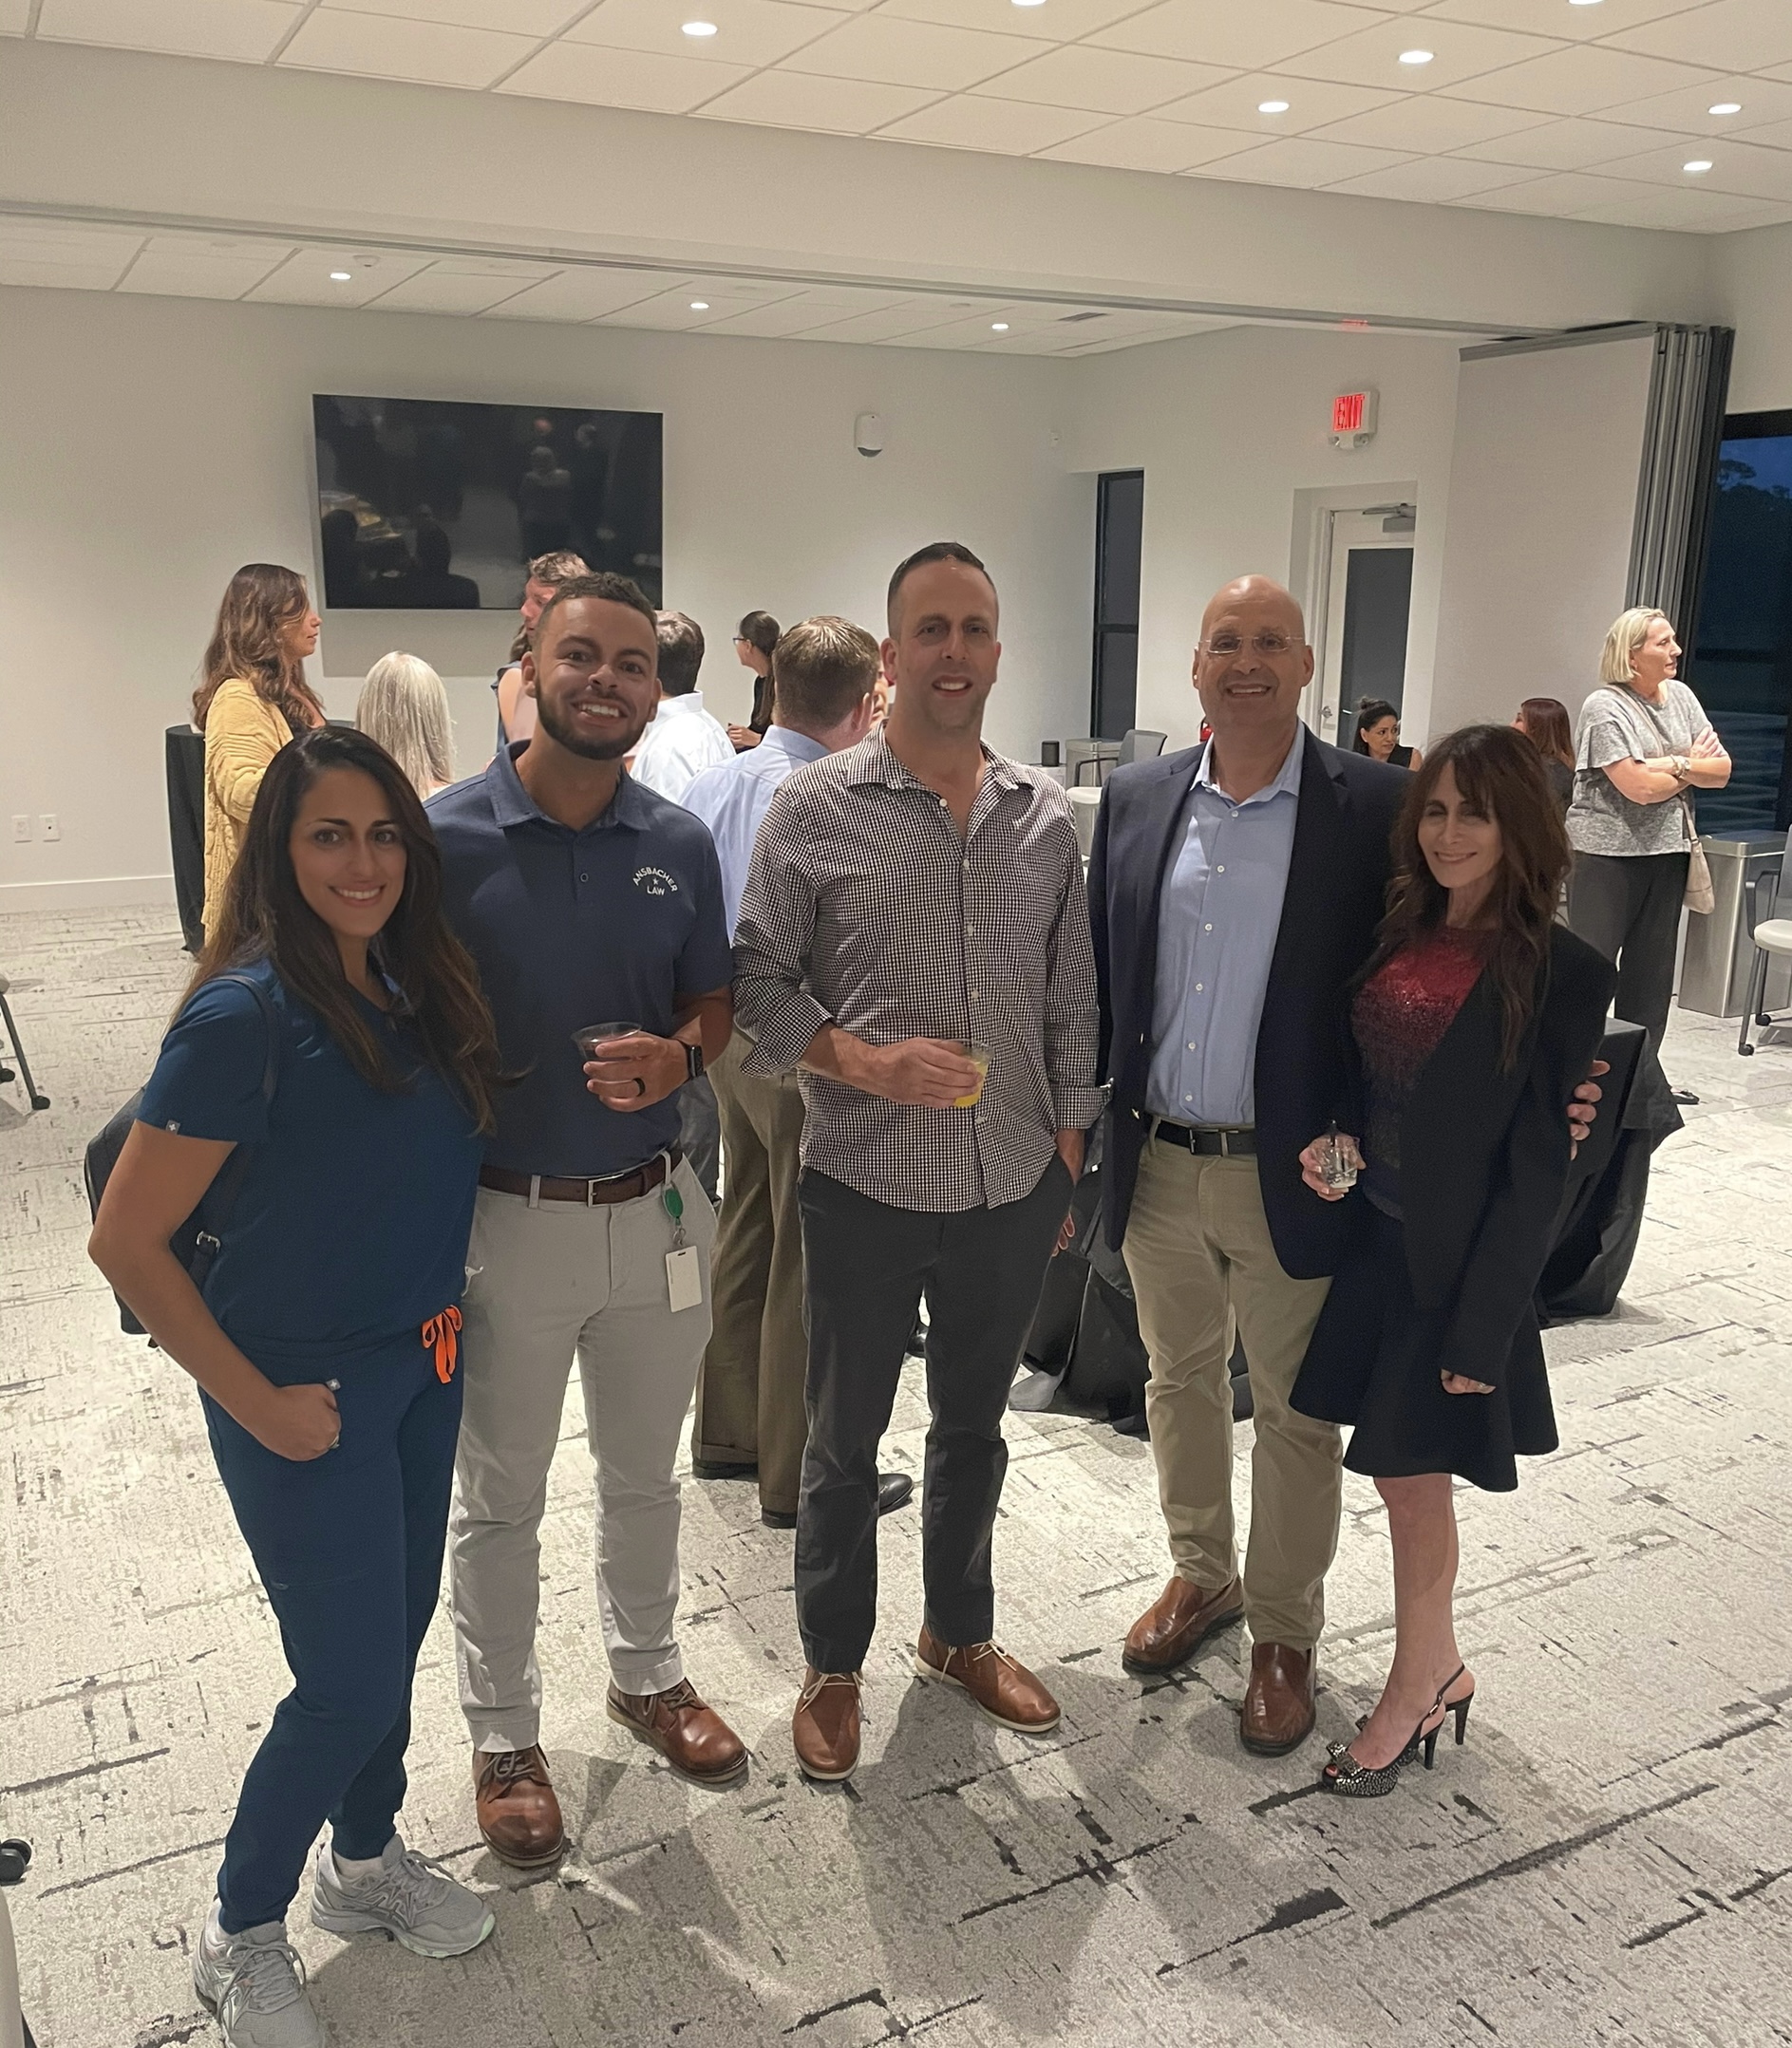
x=1674, y=489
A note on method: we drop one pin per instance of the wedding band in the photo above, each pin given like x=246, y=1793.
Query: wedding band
x=640, y=1086
x=335, y=1439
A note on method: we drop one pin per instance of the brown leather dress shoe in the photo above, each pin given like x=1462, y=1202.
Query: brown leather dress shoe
x=1277, y=1714
x=1182, y=1617
x=1003, y=1688
x=519, y=1815
x=825, y=1726
x=692, y=1737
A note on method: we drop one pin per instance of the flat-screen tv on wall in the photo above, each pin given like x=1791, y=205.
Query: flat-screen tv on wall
x=432, y=505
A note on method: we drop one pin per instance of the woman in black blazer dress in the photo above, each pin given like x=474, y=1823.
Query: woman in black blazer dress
x=1473, y=1023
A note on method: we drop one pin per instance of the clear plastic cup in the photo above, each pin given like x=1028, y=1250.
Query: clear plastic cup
x=588, y=1037
x=979, y=1057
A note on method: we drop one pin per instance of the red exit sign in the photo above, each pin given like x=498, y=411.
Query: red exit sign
x=1347, y=409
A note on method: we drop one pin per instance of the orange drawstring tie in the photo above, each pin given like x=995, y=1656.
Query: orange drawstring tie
x=441, y=1334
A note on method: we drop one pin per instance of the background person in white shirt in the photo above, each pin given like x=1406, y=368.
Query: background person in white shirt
x=683, y=739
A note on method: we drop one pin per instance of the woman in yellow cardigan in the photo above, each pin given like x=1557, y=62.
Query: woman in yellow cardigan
x=251, y=698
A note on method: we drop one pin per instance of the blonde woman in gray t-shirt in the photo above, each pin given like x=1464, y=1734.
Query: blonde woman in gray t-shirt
x=1643, y=742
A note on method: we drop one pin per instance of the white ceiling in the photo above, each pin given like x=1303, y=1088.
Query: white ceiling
x=1588, y=111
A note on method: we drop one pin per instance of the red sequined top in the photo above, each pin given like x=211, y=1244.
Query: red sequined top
x=1400, y=1016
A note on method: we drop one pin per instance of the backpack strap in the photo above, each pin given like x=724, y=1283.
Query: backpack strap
x=221, y=1196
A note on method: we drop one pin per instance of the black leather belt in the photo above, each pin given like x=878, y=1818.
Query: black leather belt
x=627, y=1187
x=1239, y=1143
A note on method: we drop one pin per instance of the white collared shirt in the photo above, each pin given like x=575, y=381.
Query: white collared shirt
x=682, y=742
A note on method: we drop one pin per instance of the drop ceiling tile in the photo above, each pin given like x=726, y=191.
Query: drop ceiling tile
x=837, y=105
x=1065, y=19
x=914, y=315
x=15, y=16
x=1775, y=135
x=522, y=17
x=581, y=294
x=1736, y=168
x=1699, y=211
x=1553, y=18
x=1740, y=36
x=748, y=32
x=428, y=53
x=637, y=78
x=454, y=286
x=1436, y=181
x=1562, y=145
x=1580, y=79
x=1688, y=111
x=690, y=306
x=1246, y=34
x=202, y=267
x=882, y=50
x=248, y=30
x=798, y=314
x=304, y=278
x=1299, y=161
x=1426, y=123
x=1009, y=127
x=1562, y=195
x=1102, y=81
x=1144, y=145
x=64, y=254
x=1312, y=103
x=1371, y=57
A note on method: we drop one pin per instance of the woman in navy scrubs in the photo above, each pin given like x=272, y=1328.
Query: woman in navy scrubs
x=323, y=1341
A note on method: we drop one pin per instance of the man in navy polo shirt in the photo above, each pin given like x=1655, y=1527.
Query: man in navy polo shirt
x=585, y=899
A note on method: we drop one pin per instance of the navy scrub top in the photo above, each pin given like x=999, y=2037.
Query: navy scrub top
x=350, y=1227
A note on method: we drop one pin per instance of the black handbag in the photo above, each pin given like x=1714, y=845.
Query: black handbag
x=198, y=1242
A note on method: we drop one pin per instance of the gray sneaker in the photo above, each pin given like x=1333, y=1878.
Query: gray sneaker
x=411, y=1898
x=256, y=1983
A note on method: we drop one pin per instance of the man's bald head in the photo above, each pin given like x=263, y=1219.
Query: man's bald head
x=1251, y=664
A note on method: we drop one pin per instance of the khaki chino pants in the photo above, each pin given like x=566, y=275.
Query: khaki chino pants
x=1203, y=1267
x=749, y=1397
x=546, y=1286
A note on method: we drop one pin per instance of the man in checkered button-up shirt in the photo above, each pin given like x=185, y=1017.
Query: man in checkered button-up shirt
x=907, y=896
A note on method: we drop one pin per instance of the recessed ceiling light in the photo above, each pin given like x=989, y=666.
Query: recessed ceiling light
x=1583, y=3
x=1029, y=2
x=1000, y=326
x=1726, y=106
x=1698, y=166
x=340, y=277
x=1272, y=107
x=700, y=27
x=700, y=306
x=1416, y=56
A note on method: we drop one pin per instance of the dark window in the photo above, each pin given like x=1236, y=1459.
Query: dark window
x=1120, y=520
x=1741, y=663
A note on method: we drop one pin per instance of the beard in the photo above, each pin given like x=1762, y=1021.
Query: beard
x=563, y=729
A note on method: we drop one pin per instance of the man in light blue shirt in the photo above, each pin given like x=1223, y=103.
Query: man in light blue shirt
x=751, y=1413
x=1217, y=928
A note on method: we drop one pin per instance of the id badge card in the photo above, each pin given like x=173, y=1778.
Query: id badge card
x=684, y=1268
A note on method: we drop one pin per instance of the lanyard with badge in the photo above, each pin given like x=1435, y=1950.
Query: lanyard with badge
x=683, y=1269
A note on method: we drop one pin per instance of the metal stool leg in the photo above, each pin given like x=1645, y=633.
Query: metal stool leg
x=1757, y=995
x=37, y=1100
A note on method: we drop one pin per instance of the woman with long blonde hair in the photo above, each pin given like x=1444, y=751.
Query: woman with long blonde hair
x=252, y=697
x=404, y=706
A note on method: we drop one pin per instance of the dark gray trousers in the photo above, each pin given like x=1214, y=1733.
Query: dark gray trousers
x=700, y=1131
x=867, y=1266
x=1627, y=907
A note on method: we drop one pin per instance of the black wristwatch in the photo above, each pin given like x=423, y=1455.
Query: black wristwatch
x=693, y=1060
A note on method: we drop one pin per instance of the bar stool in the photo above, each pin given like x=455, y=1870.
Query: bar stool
x=37, y=1101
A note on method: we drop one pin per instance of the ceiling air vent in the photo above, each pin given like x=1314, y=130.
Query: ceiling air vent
x=1071, y=319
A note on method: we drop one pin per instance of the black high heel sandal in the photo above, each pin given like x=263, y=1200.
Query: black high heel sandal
x=1354, y=1781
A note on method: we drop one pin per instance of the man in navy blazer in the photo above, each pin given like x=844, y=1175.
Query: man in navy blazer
x=1235, y=890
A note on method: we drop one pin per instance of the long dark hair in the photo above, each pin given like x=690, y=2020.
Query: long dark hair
x=1371, y=712
x=265, y=917
x=1547, y=728
x=247, y=643
x=1500, y=773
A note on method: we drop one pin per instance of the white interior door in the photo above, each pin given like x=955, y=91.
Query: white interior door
x=1349, y=533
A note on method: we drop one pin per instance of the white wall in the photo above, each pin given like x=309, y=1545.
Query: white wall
x=152, y=445
x=1752, y=274
x=1228, y=427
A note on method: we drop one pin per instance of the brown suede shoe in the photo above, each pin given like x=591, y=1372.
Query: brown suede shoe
x=692, y=1737
x=1277, y=1714
x=1183, y=1616
x=519, y=1815
x=1003, y=1688
x=826, y=1723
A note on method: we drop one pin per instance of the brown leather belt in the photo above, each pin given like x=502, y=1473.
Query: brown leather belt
x=627, y=1187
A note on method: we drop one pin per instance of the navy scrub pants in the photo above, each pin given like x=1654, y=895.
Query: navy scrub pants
x=349, y=1547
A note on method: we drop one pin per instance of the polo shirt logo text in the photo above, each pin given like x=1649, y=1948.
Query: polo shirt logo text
x=655, y=882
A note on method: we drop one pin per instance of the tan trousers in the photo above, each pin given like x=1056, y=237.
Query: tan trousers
x=1197, y=1247
x=749, y=1397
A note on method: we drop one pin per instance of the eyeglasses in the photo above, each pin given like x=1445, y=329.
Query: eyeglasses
x=1225, y=647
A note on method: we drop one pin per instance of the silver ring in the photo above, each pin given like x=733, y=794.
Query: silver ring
x=334, y=1441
